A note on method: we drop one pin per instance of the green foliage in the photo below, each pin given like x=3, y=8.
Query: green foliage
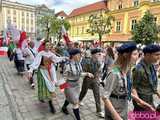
x=146, y=30
x=100, y=25
x=51, y=26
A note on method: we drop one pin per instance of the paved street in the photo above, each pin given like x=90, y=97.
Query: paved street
x=19, y=102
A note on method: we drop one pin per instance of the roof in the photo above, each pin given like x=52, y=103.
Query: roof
x=102, y=5
x=61, y=13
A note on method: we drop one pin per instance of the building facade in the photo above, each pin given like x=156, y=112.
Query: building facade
x=42, y=10
x=78, y=19
x=24, y=17
x=126, y=12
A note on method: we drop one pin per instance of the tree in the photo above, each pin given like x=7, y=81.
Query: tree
x=51, y=26
x=146, y=30
x=57, y=25
x=45, y=23
x=100, y=25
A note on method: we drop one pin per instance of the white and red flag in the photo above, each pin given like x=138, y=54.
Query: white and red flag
x=65, y=35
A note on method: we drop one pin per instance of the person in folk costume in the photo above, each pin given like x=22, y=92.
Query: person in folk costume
x=30, y=53
x=94, y=66
x=44, y=62
x=72, y=74
x=19, y=59
x=10, y=51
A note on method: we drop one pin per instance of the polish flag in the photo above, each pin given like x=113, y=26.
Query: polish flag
x=65, y=35
x=23, y=43
x=41, y=46
x=3, y=51
x=8, y=38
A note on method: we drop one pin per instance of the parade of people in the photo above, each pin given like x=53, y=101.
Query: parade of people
x=89, y=64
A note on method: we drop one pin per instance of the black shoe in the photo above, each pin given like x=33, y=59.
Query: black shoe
x=42, y=101
x=52, y=109
x=65, y=111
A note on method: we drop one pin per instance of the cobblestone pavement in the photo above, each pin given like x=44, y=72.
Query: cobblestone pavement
x=19, y=102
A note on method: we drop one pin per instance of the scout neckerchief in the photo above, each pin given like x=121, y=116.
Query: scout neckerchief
x=121, y=75
x=94, y=66
x=129, y=85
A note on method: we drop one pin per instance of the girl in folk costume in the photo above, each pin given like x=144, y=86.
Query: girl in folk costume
x=72, y=74
x=46, y=74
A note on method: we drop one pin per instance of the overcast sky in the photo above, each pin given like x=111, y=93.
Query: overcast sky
x=58, y=5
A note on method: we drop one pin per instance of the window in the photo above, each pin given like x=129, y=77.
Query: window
x=118, y=26
x=32, y=29
x=8, y=11
x=135, y=3
x=14, y=20
x=22, y=20
x=14, y=12
x=155, y=19
x=120, y=6
x=22, y=13
x=27, y=21
x=27, y=14
x=134, y=21
x=77, y=30
x=31, y=21
x=82, y=30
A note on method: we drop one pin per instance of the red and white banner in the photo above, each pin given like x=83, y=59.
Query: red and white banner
x=3, y=51
x=65, y=35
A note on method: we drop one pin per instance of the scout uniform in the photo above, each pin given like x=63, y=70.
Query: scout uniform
x=145, y=80
x=93, y=66
x=116, y=87
x=72, y=74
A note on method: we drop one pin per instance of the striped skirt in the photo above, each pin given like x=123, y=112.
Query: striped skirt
x=43, y=92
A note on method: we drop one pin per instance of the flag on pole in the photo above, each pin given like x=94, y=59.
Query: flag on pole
x=41, y=46
x=65, y=35
x=23, y=41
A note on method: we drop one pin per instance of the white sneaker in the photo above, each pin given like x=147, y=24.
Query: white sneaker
x=32, y=85
x=81, y=103
x=100, y=114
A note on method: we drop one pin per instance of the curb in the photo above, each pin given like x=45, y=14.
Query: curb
x=16, y=115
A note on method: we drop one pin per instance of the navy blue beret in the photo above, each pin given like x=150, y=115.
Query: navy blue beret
x=126, y=48
x=74, y=51
x=151, y=48
x=95, y=50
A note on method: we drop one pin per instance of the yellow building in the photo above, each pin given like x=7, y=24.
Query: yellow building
x=126, y=13
x=78, y=19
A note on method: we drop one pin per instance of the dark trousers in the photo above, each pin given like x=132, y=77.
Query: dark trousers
x=92, y=84
x=19, y=65
x=31, y=79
